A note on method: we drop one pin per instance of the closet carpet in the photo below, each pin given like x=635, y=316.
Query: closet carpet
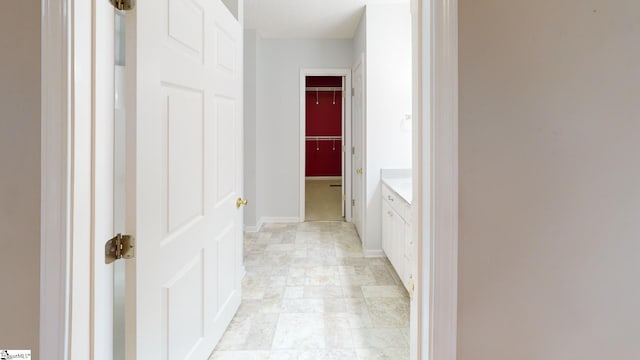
x=310, y=294
x=323, y=200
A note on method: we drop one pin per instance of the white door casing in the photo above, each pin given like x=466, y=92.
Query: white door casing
x=416, y=263
x=358, y=143
x=184, y=170
x=435, y=178
x=346, y=136
x=103, y=180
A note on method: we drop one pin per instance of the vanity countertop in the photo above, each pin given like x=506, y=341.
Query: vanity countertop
x=398, y=180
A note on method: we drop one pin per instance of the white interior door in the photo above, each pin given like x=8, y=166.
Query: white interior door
x=184, y=63
x=357, y=167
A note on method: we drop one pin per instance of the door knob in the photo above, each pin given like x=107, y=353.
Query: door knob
x=241, y=202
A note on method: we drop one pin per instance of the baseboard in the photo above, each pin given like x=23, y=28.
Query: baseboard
x=277, y=220
x=251, y=228
x=270, y=220
x=243, y=272
x=373, y=253
x=323, y=178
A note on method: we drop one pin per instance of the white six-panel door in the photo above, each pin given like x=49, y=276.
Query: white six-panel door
x=185, y=162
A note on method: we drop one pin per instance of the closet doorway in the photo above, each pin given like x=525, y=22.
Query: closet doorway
x=325, y=137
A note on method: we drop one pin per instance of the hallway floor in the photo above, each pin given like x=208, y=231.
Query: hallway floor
x=310, y=294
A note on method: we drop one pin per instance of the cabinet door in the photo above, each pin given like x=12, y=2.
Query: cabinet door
x=398, y=245
x=407, y=251
x=387, y=230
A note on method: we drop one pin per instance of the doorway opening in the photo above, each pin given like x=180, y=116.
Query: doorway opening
x=325, y=128
x=324, y=113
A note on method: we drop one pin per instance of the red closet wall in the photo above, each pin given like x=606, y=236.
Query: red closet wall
x=323, y=118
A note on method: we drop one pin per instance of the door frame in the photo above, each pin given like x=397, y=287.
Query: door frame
x=55, y=193
x=435, y=133
x=64, y=291
x=66, y=180
x=361, y=203
x=345, y=73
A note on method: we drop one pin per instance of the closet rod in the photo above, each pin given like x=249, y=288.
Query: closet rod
x=323, y=88
x=311, y=138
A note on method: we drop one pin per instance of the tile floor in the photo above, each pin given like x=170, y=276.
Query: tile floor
x=310, y=294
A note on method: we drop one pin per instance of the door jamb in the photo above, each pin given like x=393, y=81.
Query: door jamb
x=65, y=232
x=360, y=202
x=436, y=183
x=346, y=135
x=55, y=179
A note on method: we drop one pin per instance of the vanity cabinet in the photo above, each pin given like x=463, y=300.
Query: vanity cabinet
x=397, y=237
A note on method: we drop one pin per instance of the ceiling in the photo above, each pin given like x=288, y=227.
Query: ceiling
x=306, y=19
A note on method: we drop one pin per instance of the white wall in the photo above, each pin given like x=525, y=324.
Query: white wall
x=549, y=180
x=278, y=117
x=360, y=38
x=388, y=99
x=20, y=175
x=250, y=52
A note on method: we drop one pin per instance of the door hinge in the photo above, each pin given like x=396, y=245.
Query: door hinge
x=411, y=287
x=353, y=150
x=353, y=202
x=353, y=91
x=119, y=247
x=123, y=4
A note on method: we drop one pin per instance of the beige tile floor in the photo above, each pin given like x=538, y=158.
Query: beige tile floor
x=310, y=294
x=322, y=200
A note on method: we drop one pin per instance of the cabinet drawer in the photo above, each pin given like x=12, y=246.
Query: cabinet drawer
x=388, y=194
x=398, y=204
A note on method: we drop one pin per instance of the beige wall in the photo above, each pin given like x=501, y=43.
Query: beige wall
x=19, y=174
x=549, y=180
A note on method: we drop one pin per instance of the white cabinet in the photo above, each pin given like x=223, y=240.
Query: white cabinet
x=396, y=232
x=393, y=237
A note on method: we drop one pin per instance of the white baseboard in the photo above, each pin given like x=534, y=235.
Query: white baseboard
x=277, y=220
x=373, y=253
x=251, y=228
x=323, y=178
x=271, y=220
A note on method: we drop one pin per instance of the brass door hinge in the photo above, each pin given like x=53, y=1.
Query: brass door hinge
x=119, y=247
x=411, y=286
x=123, y=4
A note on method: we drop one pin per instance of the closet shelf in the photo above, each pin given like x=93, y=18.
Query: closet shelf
x=314, y=138
x=323, y=88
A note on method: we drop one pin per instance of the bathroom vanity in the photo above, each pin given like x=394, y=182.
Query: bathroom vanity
x=397, y=239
